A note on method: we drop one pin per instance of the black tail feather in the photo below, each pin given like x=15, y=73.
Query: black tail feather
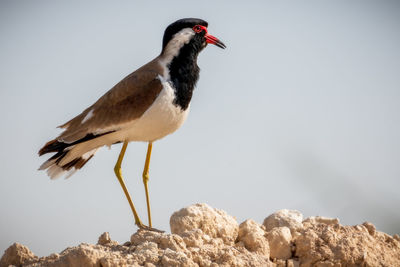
x=61, y=149
x=57, y=146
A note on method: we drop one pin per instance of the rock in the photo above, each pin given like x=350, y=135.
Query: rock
x=194, y=238
x=292, y=263
x=105, y=239
x=279, y=239
x=252, y=236
x=172, y=258
x=17, y=255
x=289, y=218
x=370, y=227
x=83, y=255
x=163, y=240
x=213, y=222
x=319, y=242
x=320, y=219
x=147, y=252
x=396, y=237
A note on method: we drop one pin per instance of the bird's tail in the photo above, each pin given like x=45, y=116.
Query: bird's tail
x=56, y=166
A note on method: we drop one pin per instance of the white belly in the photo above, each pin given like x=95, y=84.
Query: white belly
x=161, y=119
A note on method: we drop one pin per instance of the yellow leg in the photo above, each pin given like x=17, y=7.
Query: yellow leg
x=117, y=170
x=146, y=179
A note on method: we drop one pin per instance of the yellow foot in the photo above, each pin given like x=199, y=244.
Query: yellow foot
x=147, y=228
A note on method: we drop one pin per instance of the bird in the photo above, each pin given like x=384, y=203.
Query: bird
x=147, y=105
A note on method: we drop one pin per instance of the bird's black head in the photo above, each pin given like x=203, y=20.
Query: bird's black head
x=182, y=42
x=191, y=25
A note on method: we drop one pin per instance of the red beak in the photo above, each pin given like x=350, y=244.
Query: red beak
x=214, y=40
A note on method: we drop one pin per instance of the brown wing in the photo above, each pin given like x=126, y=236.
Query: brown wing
x=125, y=102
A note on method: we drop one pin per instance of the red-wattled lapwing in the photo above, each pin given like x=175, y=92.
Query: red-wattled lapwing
x=147, y=105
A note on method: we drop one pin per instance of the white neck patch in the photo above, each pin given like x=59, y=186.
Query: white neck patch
x=174, y=45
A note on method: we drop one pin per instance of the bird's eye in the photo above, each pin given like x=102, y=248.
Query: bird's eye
x=197, y=29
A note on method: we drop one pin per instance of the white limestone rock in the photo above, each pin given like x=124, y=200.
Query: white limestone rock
x=252, y=236
x=105, y=239
x=213, y=222
x=17, y=254
x=279, y=239
x=320, y=219
x=290, y=218
x=321, y=242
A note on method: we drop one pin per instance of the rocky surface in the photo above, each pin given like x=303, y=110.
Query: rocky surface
x=204, y=236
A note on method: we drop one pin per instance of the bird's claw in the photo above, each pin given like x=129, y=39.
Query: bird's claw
x=148, y=228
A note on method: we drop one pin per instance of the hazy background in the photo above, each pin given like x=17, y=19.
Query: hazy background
x=301, y=111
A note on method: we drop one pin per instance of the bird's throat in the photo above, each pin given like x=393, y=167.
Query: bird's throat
x=184, y=72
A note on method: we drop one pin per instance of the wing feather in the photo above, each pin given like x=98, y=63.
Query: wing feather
x=123, y=103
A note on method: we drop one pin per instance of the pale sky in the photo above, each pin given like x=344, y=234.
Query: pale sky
x=301, y=111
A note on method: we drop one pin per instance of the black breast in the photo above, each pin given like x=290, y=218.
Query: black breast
x=184, y=72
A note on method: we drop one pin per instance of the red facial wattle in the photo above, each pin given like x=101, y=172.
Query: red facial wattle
x=209, y=38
